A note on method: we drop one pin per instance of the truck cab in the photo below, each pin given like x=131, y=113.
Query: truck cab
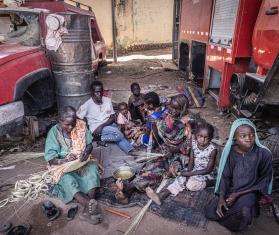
x=26, y=77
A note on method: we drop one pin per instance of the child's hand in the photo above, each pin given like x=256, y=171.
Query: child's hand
x=173, y=171
x=119, y=184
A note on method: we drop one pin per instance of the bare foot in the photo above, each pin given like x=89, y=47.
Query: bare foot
x=153, y=196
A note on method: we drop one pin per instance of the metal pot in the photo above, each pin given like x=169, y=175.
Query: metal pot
x=124, y=173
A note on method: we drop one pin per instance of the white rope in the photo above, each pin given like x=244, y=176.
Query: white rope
x=29, y=189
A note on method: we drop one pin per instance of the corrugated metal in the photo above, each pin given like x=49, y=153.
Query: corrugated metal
x=224, y=21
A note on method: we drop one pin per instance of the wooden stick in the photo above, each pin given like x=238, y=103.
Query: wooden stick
x=120, y=213
x=194, y=97
x=142, y=212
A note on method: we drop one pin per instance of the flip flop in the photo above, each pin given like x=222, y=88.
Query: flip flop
x=50, y=210
x=23, y=229
x=5, y=227
x=72, y=212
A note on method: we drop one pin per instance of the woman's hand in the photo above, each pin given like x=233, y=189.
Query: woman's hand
x=84, y=157
x=221, y=205
x=71, y=157
x=232, y=198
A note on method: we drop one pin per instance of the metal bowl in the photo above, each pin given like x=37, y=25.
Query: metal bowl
x=123, y=172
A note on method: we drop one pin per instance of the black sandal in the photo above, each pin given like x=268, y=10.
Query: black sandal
x=50, y=210
x=72, y=212
x=5, y=227
x=23, y=229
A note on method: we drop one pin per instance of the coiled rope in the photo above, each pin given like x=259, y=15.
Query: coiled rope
x=29, y=189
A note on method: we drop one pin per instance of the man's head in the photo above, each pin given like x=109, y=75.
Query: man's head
x=135, y=89
x=151, y=100
x=245, y=137
x=97, y=91
x=67, y=119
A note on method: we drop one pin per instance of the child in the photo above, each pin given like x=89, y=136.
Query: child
x=244, y=174
x=153, y=112
x=201, y=164
x=130, y=130
x=135, y=101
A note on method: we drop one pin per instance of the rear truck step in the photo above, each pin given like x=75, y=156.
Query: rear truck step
x=257, y=77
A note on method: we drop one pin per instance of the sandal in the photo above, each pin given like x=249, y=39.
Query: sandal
x=93, y=215
x=23, y=229
x=72, y=212
x=5, y=227
x=50, y=210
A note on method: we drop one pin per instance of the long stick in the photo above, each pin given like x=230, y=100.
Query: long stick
x=119, y=213
x=142, y=212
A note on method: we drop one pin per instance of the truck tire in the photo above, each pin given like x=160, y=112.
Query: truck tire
x=272, y=142
x=39, y=96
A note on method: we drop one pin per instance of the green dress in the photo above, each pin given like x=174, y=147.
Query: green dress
x=82, y=180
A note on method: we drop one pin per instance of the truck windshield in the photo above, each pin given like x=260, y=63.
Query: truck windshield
x=18, y=27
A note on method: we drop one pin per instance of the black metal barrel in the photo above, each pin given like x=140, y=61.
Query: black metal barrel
x=72, y=62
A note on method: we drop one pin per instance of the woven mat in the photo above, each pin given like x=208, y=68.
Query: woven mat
x=186, y=208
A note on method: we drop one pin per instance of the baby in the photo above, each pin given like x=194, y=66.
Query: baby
x=130, y=129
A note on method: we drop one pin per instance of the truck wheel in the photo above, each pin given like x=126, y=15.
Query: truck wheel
x=272, y=142
x=38, y=97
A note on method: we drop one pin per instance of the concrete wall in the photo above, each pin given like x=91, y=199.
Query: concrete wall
x=137, y=21
x=102, y=10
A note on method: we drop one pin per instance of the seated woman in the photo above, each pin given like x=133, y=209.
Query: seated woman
x=244, y=173
x=201, y=164
x=172, y=131
x=67, y=142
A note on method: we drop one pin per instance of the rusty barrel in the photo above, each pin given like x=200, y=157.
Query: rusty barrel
x=72, y=62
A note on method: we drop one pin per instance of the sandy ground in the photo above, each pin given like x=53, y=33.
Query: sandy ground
x=117, y=78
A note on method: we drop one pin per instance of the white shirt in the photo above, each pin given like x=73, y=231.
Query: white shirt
x=96, y=114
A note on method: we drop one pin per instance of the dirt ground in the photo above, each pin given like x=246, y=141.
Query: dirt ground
x=117, y=79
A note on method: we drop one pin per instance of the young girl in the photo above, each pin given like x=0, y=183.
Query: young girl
x=244, y=174
x=201, y=164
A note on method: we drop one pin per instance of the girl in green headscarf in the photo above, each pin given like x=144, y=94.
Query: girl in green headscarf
x=244, y=173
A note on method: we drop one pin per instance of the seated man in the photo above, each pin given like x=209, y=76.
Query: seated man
x=70, y=142
x=244, y=174
x=100, y=117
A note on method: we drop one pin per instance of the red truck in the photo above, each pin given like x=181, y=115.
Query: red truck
x=26, y=77
x=231, y=48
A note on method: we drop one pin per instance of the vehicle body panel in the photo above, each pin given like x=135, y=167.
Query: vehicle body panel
x=266, y=36
x=199, y=13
